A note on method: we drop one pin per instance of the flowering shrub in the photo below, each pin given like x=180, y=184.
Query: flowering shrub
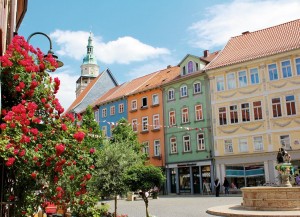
x=44, y=153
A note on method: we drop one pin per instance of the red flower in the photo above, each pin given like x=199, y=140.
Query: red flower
x=33, y=175
x=58, y=188
x=79, y=136
x=92, y=150
x=60, y=148
x=88, y=176
x=22, y=153
x=64, y=127
x=92, y=167
x=11, y=197
x=10, y=161
x=81, y=202
x=3, y=126
x=72, y=177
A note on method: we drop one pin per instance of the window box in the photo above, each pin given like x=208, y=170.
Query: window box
x=144, y=132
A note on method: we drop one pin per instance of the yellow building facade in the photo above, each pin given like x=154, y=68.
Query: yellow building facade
x=255, y=97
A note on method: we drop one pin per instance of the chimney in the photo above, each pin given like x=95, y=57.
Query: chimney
x=169, y=66
x=206, y=53
x=245, y=33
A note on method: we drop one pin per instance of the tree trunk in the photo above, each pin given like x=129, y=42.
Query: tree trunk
x=146, y=203
x=115, y=206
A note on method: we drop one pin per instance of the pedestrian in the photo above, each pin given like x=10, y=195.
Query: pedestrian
x=226, y=185
x=217, y=186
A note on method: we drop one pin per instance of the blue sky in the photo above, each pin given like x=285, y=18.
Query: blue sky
x=133, y=37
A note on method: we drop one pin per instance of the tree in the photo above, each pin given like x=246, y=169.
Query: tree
x=144, y=178
x=123, y=133
x=42, y=153
x=112, y=163
x=90, y=125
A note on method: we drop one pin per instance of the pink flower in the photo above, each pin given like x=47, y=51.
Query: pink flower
x=79, y=136
x=10, y=161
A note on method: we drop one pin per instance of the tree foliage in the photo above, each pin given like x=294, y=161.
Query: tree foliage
x=144, y=178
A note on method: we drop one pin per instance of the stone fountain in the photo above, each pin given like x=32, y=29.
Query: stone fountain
x=283, y=200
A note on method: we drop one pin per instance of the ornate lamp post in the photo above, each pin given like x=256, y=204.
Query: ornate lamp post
x=60, y=64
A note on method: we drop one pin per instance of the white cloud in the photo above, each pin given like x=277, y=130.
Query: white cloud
x=227, y=20
x=150, y=67
x=124, y=50
x=66, y=92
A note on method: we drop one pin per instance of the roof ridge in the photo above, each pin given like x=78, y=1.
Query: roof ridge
x=267, y=28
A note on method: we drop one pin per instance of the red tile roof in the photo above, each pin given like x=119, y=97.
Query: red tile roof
x=261, y=43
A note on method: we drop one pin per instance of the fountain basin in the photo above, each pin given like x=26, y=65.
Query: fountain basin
x=271, y=198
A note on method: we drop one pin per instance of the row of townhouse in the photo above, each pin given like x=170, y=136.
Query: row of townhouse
x=223, y=114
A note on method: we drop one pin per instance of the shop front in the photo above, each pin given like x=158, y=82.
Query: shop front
x=188, y=178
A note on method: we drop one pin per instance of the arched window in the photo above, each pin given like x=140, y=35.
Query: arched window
x=190, y=67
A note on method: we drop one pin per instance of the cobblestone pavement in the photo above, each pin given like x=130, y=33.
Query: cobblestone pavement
x=174, y=206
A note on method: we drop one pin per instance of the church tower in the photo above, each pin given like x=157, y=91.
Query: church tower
x=89, y=68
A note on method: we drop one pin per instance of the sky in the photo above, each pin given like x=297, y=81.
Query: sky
x=133, y=37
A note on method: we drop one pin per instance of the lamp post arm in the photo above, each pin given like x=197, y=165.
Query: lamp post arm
x=40, y=33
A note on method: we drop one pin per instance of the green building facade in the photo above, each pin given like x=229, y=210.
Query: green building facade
x=188, y=132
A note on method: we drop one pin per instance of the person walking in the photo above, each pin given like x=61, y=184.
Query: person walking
x=217, y=186
x=226, y=185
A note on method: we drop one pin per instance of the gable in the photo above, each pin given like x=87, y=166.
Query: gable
x=190, y=64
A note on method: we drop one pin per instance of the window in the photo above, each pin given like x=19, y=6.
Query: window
x=245, y=109
x=258, y=143
x=133, y=105
x=222, y=116
x=185, y=115
x=197, y=87
x=200, y=141
x=112, y=110
x=285, y=142
x=134, y=125
x=198, y=112
x=286, y=69
x=146, y=148
x=297, y=66
x=228, y=146
x=220, y=83
x=183, y=91
x=197, y=67
x=257, y=110
x=104, y=131
x=254, y=76
x=144, y=123
x=243, y=145
x=112, y=127
x=233, y=114
x=190, y=67
x=121, y=108
x=273, y=74
x=243, y=79
x=156, y=148
x=172, y=119
x=231, y=83
x=290, y=105
x=276, y=107
x=144, y=102
x=96, y=115
x=104, y=113
x=186, y=144
x=183, y=70
x=155, y=99
x=171, y=94
x=156, y=121
x=173, y=145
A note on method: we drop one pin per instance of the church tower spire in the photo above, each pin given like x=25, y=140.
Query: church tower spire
x=89, y=68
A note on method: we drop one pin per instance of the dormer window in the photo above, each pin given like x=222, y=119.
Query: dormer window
x=183, y=70
x=190, y=67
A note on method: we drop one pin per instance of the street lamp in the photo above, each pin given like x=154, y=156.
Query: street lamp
x=59, y=63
